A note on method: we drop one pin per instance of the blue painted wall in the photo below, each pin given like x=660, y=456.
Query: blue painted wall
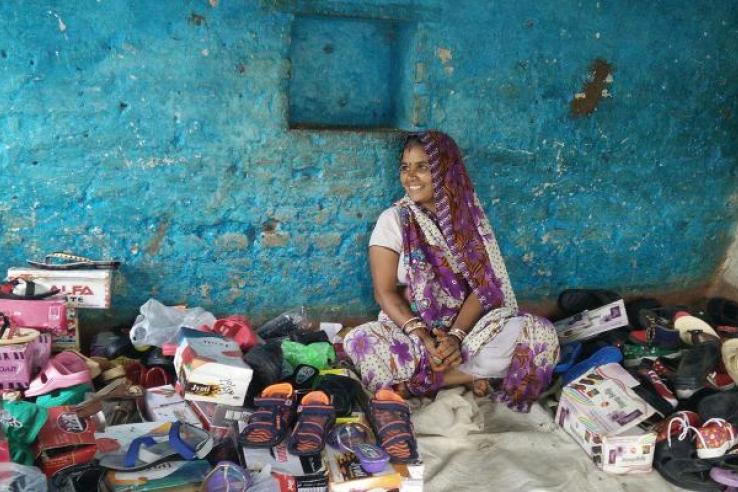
x=158, y=133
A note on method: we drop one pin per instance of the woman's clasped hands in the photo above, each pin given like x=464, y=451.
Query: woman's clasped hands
x=444, y=350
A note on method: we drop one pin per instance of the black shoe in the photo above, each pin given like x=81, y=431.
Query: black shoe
x=121, y=345
x=155, y=357
x=695, y=365
x=573, y=301
x=722, y=405
x=344, y=391
x=678, y=463
x=303, y=377
x=266, y=362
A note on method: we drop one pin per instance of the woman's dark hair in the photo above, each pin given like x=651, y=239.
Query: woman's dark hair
x=411, y=141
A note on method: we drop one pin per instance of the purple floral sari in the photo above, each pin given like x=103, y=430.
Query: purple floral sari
x=448, y=256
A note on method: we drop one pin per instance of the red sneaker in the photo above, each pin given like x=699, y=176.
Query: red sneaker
x=715, y=438
x=720, y=379
x=675, y=424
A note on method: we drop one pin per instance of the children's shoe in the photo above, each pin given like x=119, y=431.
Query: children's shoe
x=649, y=376
x=720, y=379
x=389, y=415
x=316, y=416
x=634, y=353
x=270, y=423
x=715, y=438
x=665, y=368
x=695, y=365
x=676, y=424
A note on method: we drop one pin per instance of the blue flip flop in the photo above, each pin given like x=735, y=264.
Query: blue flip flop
x=605, y=355
x=569, y=354
x=183, y=440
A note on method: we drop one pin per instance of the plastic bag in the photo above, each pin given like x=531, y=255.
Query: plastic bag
x=319, y=355
x=21, y=478
x=285, y=324
x=158, y=324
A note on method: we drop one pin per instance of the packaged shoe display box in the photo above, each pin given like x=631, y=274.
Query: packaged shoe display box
x=210, y=369
x=588, y=324
x=81, y=288
x=601, y=412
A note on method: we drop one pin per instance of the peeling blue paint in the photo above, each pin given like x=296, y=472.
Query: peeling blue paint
x=157, y=133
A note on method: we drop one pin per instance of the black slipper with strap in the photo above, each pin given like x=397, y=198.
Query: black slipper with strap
x=61, y=260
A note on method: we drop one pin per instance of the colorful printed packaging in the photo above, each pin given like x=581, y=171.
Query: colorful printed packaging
x=48, y=315
x=601, y=412
x=81, y=288
x=589, y=324
x=65, y=440
x=218, y=419
x=163, y=404
x=210, y=369
x=170, y=475
x=68, y=339
x=346, y=475
x=20, y=362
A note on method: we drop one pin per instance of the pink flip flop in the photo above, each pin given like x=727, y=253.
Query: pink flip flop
x=64, y=370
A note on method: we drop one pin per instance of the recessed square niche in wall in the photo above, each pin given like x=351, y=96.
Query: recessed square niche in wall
x=347, y=72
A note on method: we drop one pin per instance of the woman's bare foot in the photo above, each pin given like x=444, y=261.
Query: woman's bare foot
x=401, y=389
x=480, y=387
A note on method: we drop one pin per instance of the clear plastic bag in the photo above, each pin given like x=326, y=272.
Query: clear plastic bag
x=21, y=478
x=158, y=324
x=286, y=324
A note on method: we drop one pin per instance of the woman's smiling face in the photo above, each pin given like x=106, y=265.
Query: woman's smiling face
x=415, y=176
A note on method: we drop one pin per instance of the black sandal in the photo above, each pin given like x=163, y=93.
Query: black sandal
x=573, y=301
x=676, y=460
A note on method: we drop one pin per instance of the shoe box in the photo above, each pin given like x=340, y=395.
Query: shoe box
x=601, y=412
x=588, y=324
x=210, y=368
x=81, y=288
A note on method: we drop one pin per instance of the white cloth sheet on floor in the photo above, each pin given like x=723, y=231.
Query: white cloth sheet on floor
x=473, y=444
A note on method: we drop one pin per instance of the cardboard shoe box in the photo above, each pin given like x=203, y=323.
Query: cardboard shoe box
x=602, y=412
x=588, y=324
x=82, y=288
x=64, y=440
x=210, y=369
x=163, y=404
x=48, y=315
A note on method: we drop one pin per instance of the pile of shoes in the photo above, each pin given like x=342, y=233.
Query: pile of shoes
x=183, y=399
x=686, y=361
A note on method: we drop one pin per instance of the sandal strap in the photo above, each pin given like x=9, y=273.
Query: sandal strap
x=396, y=425
x=268, y=414
x=272, y=402
x=63, y=255
x=135, y=447
x=179, y=445
x=316, y=409
x=399, y=438
x=391, y=406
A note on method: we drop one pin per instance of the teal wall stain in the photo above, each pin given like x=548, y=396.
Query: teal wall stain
x=158, y=133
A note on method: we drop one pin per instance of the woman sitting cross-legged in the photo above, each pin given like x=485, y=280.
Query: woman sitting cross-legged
x=453, y=319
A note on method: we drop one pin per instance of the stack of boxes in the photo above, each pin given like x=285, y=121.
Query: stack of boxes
x=81, y=289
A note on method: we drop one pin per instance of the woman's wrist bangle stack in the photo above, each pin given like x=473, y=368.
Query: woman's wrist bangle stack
x=412, y=324
x=457, y=333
